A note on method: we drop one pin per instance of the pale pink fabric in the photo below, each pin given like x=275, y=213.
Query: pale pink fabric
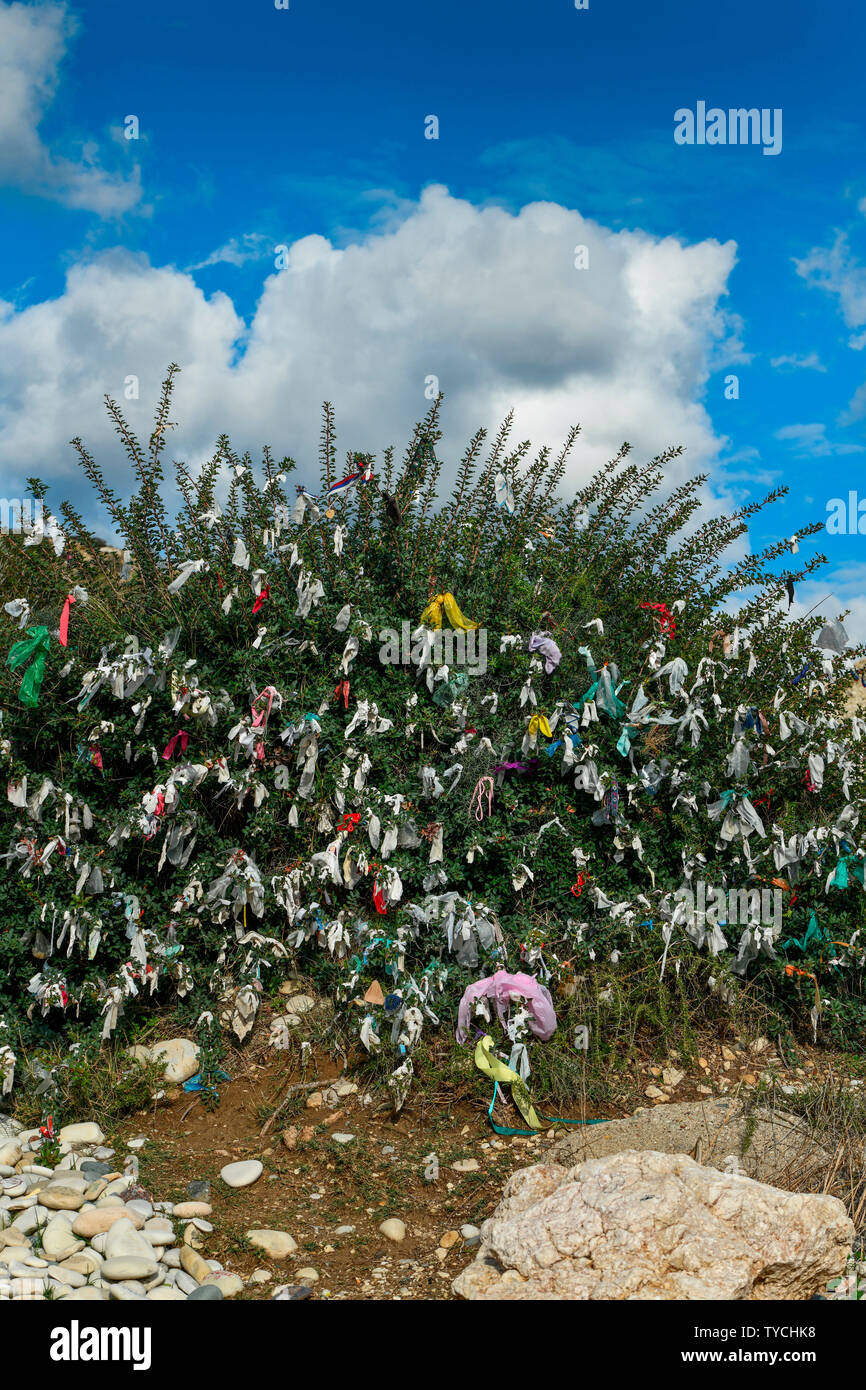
x=500, y=987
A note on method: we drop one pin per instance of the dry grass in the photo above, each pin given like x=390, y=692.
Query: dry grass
x=834, y=1112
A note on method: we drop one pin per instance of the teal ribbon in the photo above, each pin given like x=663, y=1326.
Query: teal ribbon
x=812, y=933
x=625, y=738
x=530, y=1133
x=840, y=878
x=590, y=695
x=447, y=693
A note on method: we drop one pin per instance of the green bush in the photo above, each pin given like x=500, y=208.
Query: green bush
x=179, y=814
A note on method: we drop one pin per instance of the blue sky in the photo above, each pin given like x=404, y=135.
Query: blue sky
x=305, y=127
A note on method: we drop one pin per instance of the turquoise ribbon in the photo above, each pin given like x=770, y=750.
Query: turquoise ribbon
x=812, y=933
x=840, y=878
x=625, y=738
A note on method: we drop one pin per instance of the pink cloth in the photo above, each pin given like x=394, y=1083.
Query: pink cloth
x=500, y=988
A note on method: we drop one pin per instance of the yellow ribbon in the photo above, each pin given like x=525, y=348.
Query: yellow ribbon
x=499, y=1072
x=434, y=609
x=538, y=723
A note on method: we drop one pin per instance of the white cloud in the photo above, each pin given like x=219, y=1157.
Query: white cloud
x=33, y=42
x=835, y=270
x=811, y=362
x=812, y=439
x=237, y=251
x=832, y=593
x=486, y=301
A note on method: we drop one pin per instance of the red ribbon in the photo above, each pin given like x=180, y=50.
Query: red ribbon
x=63, y=635
x=667, y=622
x=761, y=800
x=342, y=689
x=577, y=888
x=265, y=594
x=379, y=899
x=349, y=822
x=172, y=744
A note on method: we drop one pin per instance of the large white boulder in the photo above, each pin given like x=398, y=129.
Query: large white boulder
x=650, y=1225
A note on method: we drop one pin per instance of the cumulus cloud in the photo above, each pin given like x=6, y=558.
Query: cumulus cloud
x=487, y=302
x=33, y=41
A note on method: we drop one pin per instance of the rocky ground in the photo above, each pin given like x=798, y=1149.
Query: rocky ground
x=337, y=1198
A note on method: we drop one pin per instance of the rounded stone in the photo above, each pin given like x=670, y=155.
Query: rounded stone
x=205, y=1293
x=28, y=1221
x=127, y=1293
x=57, y=1198
x=242, y=1174
x=86, y=1262
x=58, y=1242
x=144, y=1209
x=81, y=1134
x=228, y=1284
x=158, y=1224
x=93, y=1169
x=123, y=1267
x=190, y=1209
x=194, y=1265
x=277, y=1245
x=123, y=1239
x=393, y=1229
x=95, y=1220
x=300, y=1004
x=62, y=1274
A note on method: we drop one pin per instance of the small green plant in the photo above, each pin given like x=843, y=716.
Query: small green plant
x=48, y=1154
x=87, y=1082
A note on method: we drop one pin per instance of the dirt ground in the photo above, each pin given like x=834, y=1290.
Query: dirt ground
x=313, y=1184
x=320, y=1184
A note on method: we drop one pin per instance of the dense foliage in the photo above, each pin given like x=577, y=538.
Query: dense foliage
x=219, y=773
